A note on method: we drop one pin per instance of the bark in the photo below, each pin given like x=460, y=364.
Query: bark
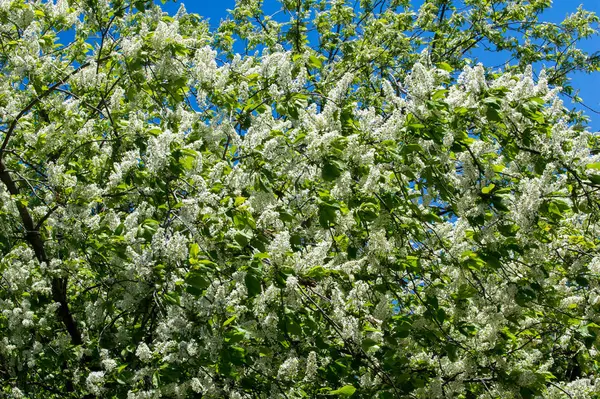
x=34, y=238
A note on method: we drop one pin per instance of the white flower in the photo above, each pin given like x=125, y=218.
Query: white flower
x=159, y=150
x=17, y=393
x=205, y=68
x=288, y=369
x=131, y=45
x=280, y=246
x=311, y=366
x=196, y=385
x=94, y=382
x=165, y=34
x=109, y=364
x=143, y=352
x=269, y=326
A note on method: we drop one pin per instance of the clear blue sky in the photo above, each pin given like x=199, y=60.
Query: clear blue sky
x=589, y=85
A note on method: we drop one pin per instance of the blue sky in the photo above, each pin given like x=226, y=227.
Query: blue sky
x=589, y=85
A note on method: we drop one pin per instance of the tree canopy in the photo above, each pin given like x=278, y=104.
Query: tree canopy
x=331, y=201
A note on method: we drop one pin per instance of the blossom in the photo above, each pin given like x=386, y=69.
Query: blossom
x=311, y=366
x=143, y=352
x=95, y=381
x=288, y=369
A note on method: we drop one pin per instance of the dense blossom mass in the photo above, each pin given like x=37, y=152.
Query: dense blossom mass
x=333, y=200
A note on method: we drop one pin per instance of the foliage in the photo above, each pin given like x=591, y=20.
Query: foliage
x=355, y=210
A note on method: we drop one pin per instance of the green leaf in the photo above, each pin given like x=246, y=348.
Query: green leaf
x=119, y=230
x=229, y=321
x=317, y=272
x=445, y=66
x=327, y=215
x=172, y=298
x=595, y=166
x=461, y=110
x=154, y=131
x=242, y=238
x=488, y=189
x=253, y=283
x=293, y=327
x=410, y=148
x=594, y=179
x=332, y=169
x=239, y=201
x=210, y=264
x=439, y=94
x=368, y=211
x=187, y=162
x=314, y=62
x=194, y=251
x=347, y=390
x=148, y=228
x=493, y=114
x=368, y=343
x=554, y=209
x=196, y=283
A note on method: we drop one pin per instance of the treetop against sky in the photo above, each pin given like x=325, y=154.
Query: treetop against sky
x=585, y=83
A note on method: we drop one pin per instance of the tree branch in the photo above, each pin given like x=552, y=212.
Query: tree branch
x=36, y=100
x=33, y=237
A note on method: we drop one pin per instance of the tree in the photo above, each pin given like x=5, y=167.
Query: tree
x=331, y=201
